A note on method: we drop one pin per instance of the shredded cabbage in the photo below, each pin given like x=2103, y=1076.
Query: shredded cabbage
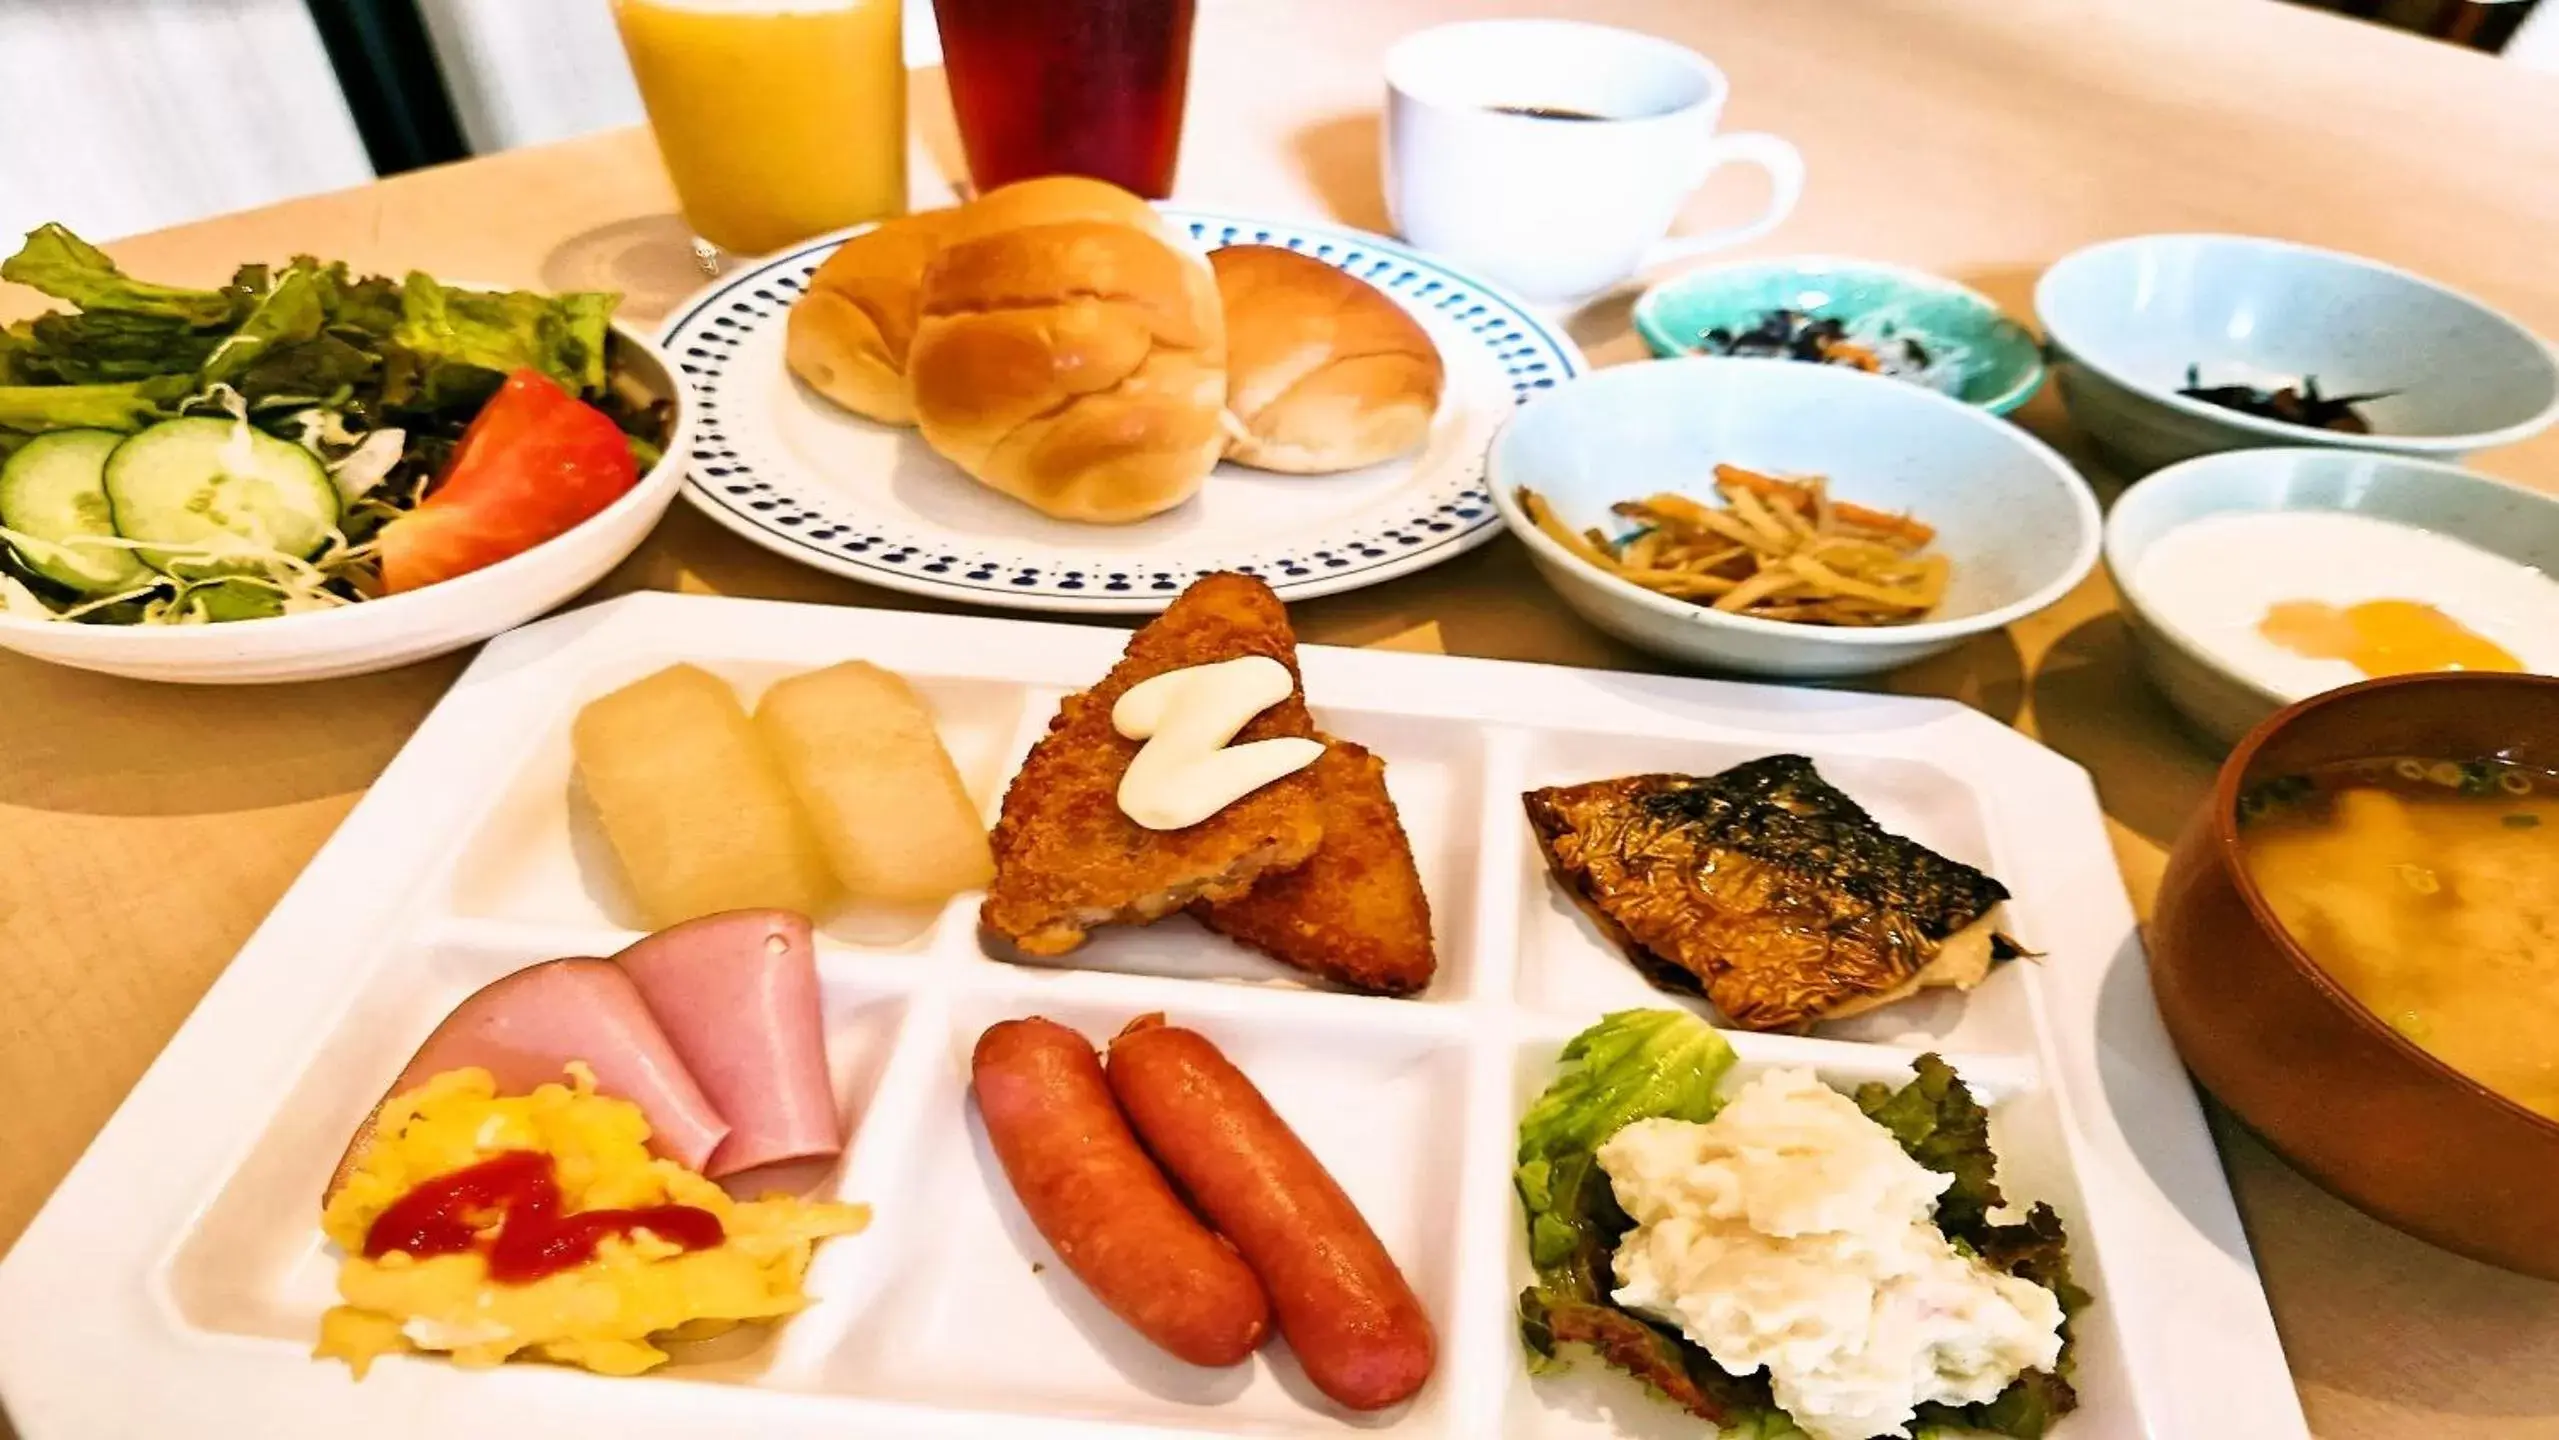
x=298, y=584
x=369, y=463
x=16, y=599
x=323, y=432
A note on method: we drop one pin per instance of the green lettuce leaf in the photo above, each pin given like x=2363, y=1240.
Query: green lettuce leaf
x=324, y=371
x=1669, y=1367
x=581, y=338
x=17, y=351
x=288, y=314
x=103, y=347
x=37, y=408
x=1633, y=1065
x=563, y=336
x=317, y=336
x=1936, y=1119
x=1574, y=1223
x=1942, y=1127
x=237, y=597
x=67, y=267
x=365, y=308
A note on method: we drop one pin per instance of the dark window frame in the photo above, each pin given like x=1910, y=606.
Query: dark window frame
x=386, y=68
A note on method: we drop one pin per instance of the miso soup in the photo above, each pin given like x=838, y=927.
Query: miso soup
x=2429, y=890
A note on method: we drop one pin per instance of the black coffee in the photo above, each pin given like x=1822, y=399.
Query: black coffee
x=1544, y=112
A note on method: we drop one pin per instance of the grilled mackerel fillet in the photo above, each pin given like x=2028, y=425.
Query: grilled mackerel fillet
x=1767, y=890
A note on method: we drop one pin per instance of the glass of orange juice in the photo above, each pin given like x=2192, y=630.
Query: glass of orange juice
x=779, y=119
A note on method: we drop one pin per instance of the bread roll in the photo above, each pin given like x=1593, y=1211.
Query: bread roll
x=1070, y=354
x=848, y=336
x=1323, y=372
x=1054, y=200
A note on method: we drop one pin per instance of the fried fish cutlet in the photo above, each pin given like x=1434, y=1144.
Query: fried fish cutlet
x=1067, y=859
x=1354, y=913
x=1766, y=888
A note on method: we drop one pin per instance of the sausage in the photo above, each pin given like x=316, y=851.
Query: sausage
x=1102, y=1204
x=1359, y=1332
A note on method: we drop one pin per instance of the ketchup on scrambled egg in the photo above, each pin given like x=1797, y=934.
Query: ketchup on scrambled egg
x=521, y=1191
x=488, y=1226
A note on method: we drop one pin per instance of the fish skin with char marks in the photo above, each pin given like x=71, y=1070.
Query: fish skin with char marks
x=1763, y=887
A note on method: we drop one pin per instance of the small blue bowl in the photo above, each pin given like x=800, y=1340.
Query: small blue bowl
x=2000, y=362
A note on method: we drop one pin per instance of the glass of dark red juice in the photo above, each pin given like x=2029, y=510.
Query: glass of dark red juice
x=1069, y=87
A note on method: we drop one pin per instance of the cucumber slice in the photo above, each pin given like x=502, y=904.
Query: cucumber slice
x=224, y=497
x=54, y=492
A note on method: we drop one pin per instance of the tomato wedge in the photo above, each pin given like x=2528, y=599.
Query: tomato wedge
x=535, y=462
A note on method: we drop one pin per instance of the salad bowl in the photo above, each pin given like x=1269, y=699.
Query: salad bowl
x=392, y=630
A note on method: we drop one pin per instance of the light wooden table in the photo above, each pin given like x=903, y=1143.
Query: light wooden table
x=144, y=831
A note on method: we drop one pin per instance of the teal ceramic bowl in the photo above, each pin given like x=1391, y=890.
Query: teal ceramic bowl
x=1999, y=361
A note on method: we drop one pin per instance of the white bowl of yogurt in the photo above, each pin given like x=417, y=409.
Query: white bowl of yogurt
x=2255, y=578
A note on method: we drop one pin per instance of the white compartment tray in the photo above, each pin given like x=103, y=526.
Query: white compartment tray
x=172, y=1285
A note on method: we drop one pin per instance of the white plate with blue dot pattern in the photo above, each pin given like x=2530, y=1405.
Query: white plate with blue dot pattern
x=785, y=468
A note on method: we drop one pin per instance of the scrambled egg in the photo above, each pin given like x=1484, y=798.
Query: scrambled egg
x=1793, y=1232
x=601, y=1314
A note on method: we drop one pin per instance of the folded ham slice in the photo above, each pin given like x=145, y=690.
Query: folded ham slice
x=526, y=1027
x=711, y=1027
x=737, y=993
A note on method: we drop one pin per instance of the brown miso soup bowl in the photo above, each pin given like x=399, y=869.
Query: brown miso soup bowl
x=2379, y=1122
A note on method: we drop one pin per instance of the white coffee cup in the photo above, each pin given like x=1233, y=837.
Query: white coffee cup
x=1558, y=207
